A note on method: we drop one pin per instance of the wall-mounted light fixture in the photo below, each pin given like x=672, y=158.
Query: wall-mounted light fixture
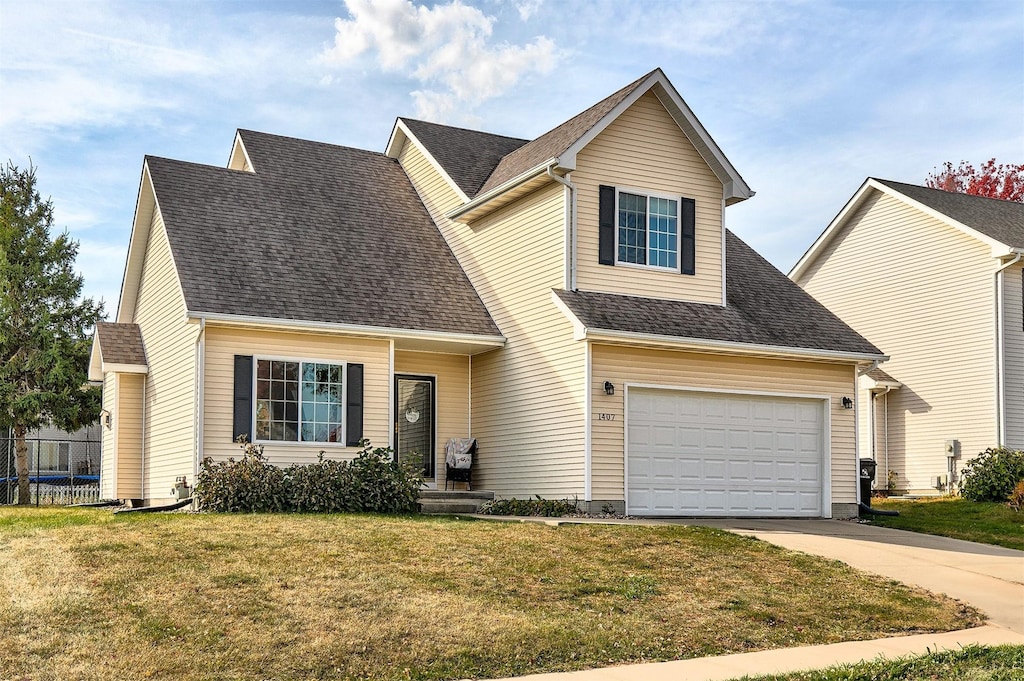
x=847, y=403
x=609, y=388
x=105, y=415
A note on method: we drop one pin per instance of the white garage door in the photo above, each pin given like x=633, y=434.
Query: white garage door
x=714, y=454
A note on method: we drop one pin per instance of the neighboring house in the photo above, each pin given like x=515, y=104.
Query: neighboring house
x=574, y=302
x=55, y=456
x=934, y=279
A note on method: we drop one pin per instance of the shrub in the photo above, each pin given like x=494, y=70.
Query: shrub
x=537, y=507
x=250, y=485
x=1016, y=500
x=373, y=481
x=992, y=475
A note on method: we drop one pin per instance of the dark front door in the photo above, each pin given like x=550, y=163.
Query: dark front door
x=414, y=421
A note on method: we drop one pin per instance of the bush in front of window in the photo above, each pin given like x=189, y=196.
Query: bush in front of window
x=249, y=485
x=531, y=507
x=371, y=482
x=992, y=475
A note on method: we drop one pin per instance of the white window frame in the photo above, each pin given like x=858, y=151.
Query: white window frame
x=304, y=360
x=648, y=194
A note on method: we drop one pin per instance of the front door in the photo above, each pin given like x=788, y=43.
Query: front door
x=414, y=422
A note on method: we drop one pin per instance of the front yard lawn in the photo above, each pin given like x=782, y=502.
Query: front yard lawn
x=985, y=522
x=973, y=663
x=88, y=595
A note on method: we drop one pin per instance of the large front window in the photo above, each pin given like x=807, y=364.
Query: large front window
x=299, y=401
x=648, y=230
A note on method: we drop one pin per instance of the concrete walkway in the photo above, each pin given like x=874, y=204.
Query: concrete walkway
x=988, y=577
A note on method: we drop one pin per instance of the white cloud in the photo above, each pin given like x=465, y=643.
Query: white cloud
x=527, y=8
x=447, y=48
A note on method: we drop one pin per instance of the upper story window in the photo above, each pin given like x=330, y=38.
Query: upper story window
x=299, y=401
x=648, y=229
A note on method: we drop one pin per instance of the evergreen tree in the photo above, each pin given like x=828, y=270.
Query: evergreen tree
x=44, y=327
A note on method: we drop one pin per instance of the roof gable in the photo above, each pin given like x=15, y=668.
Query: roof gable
x=315, y=233
x=117, y=347
x=999, y=224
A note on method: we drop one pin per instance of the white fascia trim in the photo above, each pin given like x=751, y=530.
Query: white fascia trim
x=683, y=343
x=236, y=145
x=124, y=368
x=482, y=199
x=733, y=185
x=138, y=243
x=95, y=359
x=394, y=148
x=355, y=329
x=854, y=203
x=579, y=329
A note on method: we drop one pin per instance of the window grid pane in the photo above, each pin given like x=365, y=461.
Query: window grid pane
x=298, y=401
x=663, y=232
x=277, y=394
x=632, y=228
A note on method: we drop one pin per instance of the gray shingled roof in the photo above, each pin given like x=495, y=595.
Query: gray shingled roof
x=1000, y=220
x=879, y=375
x=764, y=307
x=554, y=142
x=121, y=343
x=318, y=233
x=468, y=156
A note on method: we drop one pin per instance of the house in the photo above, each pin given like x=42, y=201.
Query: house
x=56, y=458
x=934, y=279
x=574, y=302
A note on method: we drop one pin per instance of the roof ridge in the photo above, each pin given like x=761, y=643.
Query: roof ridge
x=944, y=191
x=456, y=127
x=292, y=138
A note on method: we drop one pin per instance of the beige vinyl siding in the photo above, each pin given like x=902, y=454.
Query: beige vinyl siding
x=129, y=436
x=451, y=374
x=628, y=365
x=223, y=343
x=169, y=442
x=109, y=456
x=644, y=149
x=528, y=397
x=1013, y=355
x=922, y=292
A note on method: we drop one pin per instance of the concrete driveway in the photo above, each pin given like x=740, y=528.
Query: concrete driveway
x=988, y=577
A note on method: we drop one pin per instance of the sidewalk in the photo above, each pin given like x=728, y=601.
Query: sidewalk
x=988, y=577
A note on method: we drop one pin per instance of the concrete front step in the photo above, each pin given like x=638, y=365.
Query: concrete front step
x=454, y=501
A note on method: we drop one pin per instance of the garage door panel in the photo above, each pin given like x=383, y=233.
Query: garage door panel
x=715, y=454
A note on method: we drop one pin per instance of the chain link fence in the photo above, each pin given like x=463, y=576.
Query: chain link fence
x=64, y=468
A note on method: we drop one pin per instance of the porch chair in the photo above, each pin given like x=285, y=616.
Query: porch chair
x=458, y=459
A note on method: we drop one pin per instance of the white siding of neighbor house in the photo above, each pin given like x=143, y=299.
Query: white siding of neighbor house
x=922, y=292
x=1013, y=354
x=644, y=149
x=223, y=343
x=168, y=438
x=623, y=364
x=528, y=397
x=451, y=375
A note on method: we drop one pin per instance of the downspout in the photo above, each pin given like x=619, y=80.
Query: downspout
x=1000, y=397
x=570, y=237
x=199, y=401
x=874, y=421
x=142, y=444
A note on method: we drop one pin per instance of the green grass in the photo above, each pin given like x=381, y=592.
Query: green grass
x=985, y=522
x=88, y=595
x=973, y=663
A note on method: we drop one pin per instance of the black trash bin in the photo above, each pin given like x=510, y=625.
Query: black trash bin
x=867, y=476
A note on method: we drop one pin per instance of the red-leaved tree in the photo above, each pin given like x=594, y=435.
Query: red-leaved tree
x=1002, y=181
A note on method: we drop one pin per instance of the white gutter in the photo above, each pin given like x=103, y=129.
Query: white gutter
x=684, y=343
x=501, y=189
x=874, y=365
x=570, y=237
x=356, y=329
x=1000, y=347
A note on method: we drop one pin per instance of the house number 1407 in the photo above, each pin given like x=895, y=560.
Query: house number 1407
x=606, y=417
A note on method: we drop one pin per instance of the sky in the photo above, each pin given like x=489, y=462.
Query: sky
x=806, y=99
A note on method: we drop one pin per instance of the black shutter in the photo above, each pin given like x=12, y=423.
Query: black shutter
x=243, y=398
x=606, y=226
x=354, y=405
x=687, y=248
